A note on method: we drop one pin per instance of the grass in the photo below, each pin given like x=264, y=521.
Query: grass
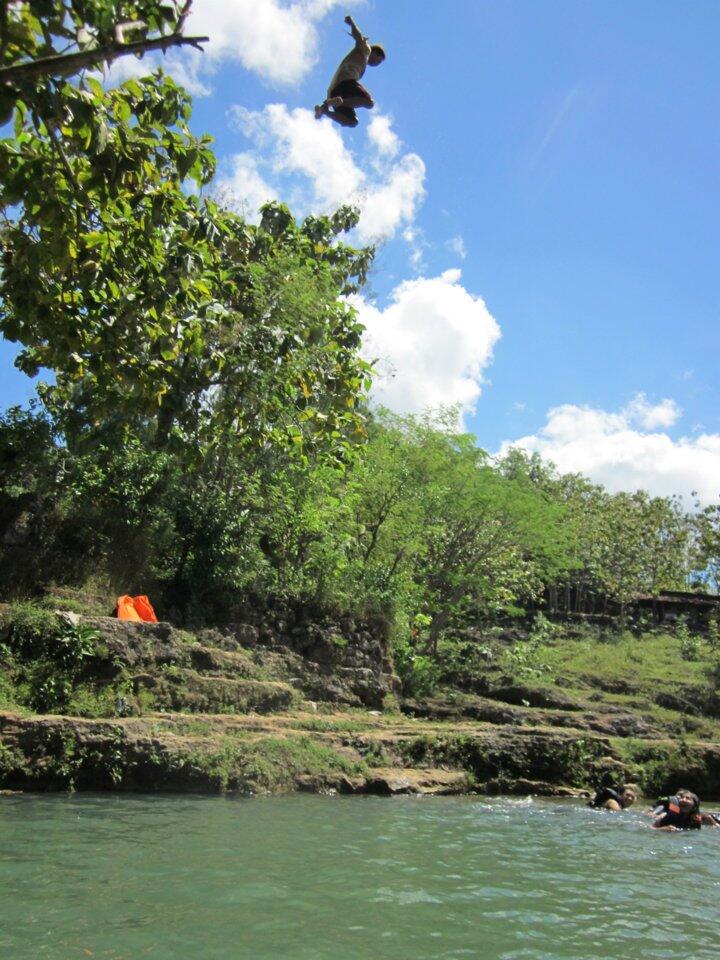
x=87, y=602
x=351, y=720
x=271, y=764
x=11, y=697
x=649, y=662
x=610, y=670
x=665, y=767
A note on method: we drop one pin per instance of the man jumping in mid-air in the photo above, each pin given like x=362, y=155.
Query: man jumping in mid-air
x=345, y=92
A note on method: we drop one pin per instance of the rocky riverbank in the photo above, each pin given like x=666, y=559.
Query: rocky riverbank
x=317, y=708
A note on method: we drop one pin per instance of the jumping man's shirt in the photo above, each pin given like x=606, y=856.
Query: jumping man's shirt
x=354, y=64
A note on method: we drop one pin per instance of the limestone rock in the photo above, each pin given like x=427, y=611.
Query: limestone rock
x=392, y=782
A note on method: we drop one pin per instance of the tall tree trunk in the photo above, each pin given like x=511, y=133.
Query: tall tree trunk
x=441, y=619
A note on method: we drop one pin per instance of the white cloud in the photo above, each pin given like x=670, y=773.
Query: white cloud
x=610, y=449
x=275, y=39
x=457, y=245
x=650, y=416
x=382, y=135
x=184, y=66
x=187, y=67
x=388, y=204
x=415, y=239
x=242, y=187
x=433, y=342
x=301, y=144
x=310, y=159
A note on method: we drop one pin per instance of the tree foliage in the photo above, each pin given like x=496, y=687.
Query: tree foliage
x=708, y=547
x=150, y=304
x=621, y=544
x=204, y=434
x=44, y=41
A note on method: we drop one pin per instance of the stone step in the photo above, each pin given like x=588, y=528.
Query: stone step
x=608, y=720
x=228, y=663
x=188, y=691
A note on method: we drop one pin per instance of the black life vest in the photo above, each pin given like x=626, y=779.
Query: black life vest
x=675, y=816
x=603, y=795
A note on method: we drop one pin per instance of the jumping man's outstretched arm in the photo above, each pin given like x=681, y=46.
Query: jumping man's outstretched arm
x=355, y=33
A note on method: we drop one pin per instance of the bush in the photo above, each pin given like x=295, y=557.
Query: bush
x=87, y=701
x=526, y=658
x=32, y=629
x=50, y=654
x=713, y=634
x=465, y=663
x=690, y=643
x=419, y=674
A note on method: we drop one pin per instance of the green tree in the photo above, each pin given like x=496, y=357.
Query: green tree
x=44, y=41
x=438, y=529
x=191, y=353
x=491, y=539
x=152, y=306
x=620, y=544
x=707, y=546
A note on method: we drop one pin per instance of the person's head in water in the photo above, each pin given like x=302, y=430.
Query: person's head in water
x=628, y=796
x=687, y=800
x=377, y=55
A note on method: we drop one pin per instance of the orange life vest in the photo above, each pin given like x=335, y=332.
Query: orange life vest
x=138, y=609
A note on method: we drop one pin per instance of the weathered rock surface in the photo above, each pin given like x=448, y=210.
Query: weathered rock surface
x=188, y=691
x=344, y=664
x=608, y=721
x=282, y=753
x=534, y=697
x=268, y=706
x=388, y=782
x=140, y=644
x=172, y=753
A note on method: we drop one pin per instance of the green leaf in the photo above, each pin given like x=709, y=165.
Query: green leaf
x=123, y=110
x=20, y=115
x=96, y=87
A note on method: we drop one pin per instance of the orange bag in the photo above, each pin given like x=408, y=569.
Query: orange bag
x=138, y=609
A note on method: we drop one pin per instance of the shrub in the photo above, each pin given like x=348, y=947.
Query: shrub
x=690, y=643
x=51, y=655
x=32, y=629
x=713, y=634
x=526, y=658
x=419, y=674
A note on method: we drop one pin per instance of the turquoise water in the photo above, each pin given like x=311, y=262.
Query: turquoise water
x=310, y=878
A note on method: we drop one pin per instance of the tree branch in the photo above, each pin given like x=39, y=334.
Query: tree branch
x=64, y=65
x=3, y=26
x=184, y=14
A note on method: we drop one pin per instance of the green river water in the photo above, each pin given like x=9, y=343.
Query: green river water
x=310, y=878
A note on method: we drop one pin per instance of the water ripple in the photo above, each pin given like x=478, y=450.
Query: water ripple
x=307, y=878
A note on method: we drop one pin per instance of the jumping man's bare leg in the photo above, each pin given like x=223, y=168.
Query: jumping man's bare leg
x=354, y=102
x=342, y=118
x=322, y=109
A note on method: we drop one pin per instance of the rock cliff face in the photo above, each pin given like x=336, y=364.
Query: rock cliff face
x=321, y=753
x=346, y=662
x=250, y=667
x=278, y=705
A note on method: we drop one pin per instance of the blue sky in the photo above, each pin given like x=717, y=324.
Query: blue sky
x=561, y=154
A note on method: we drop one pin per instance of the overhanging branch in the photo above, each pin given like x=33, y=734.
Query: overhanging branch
x=64, y=65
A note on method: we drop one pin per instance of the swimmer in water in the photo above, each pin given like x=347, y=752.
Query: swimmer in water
x=615, y=800
x=678, y=812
